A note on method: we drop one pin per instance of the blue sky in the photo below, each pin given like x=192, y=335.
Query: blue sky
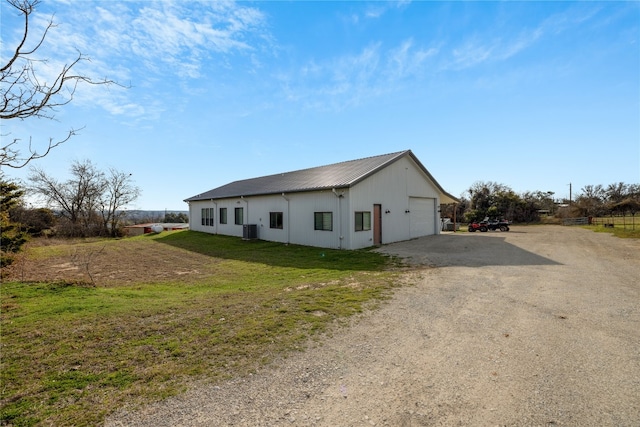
x=533, y=95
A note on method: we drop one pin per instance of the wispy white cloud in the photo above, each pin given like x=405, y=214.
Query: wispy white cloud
x=163, y=43
x=376, y=10
x=477, y=49
x=406, y=60
x=172, y=39
x=351, y=79
x=499, y=45
x=574, y=16
x=168, y=36
x=471, y=53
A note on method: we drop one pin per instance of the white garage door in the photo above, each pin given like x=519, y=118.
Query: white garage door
x=423, y=220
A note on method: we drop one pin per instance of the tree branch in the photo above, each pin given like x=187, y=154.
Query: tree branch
x=23, y=95
x=12, y=157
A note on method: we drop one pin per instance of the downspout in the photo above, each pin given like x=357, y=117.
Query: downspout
x=339, y=196
x=288, y=223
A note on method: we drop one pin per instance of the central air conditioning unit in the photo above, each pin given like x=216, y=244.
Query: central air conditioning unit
x=249, y=231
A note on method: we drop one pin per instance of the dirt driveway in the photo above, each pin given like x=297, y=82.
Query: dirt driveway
x=539, y=326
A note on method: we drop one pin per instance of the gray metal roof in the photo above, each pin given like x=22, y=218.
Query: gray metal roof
x=338, y=175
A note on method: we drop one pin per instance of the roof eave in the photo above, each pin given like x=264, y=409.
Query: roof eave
x=267, y=193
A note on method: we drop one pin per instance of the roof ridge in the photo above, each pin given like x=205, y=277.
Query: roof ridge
x=368, y=158
x=334, y=175
x=395, y=154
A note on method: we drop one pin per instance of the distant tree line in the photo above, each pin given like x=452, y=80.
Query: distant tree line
x=176, y=217
x=616, y=199
x=494, y=200
x=89, y=203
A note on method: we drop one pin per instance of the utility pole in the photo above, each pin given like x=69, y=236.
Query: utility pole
x=570, y=194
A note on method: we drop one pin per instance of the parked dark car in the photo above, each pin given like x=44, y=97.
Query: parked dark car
x=496, y=224
x=489, y=224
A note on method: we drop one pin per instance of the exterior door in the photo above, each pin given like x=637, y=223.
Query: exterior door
x=377, y=225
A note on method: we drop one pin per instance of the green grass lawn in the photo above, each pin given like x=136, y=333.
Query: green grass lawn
x=74, y=351
x=617, y=230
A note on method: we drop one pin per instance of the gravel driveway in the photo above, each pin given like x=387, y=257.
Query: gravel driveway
x=539, y=326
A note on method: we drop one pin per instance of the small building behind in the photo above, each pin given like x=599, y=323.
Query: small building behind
x=140, y=229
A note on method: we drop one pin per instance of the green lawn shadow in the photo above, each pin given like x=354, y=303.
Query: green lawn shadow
x=274, y=253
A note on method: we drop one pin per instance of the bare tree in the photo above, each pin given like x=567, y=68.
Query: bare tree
x=91, y=202
x=119, y=192
x=26, y=94
x=615, y=193
x=591, y=201
x=77, y=198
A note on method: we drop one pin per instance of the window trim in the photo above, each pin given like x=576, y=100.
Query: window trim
x=206, y=217
x=238, y=217
x=223, y=216
x=320, y=220
x=364, y=225
x=279, y=225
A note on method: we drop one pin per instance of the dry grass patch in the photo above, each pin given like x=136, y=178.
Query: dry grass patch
x=144, y=315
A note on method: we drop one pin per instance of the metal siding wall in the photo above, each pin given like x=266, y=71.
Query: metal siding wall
x=230, y=228
x=260, y=208
x=195, y=216
x=298, y=217
x=303, y=206
x=388, y=188
x=392, y=188
x=194, y=220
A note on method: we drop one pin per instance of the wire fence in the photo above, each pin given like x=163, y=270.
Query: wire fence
x=625, y=222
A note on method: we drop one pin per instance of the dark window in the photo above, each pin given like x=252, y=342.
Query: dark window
x=223, y=215
x=323, y=221
x=207, y=216
x=239, y=216
x=363, y=221
x=275, y=220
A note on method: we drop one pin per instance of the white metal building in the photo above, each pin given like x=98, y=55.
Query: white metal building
x=348, y=205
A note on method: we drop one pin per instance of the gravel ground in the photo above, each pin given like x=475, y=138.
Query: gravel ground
x=539, y=326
